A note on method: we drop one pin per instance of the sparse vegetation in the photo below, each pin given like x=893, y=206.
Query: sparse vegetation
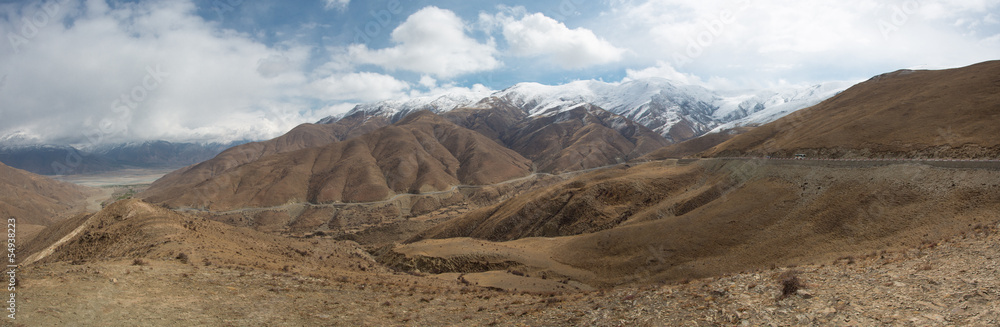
x=790, y=283
x=183, y=257
x=128, y=194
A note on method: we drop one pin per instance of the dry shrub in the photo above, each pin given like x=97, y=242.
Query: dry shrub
x=183, y=257
x=790, y=283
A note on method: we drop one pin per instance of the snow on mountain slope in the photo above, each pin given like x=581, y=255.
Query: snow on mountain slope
x=397, y=109
x=676, y=111
x=655, y=103
x=767, y=106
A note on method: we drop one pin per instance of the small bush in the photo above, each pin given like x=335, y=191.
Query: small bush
x=183, y=257
x=790, y=283
x=139, y=262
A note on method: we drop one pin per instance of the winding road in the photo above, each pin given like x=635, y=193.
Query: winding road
x=847, y=163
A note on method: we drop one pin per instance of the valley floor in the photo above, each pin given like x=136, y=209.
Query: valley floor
x=953, y=282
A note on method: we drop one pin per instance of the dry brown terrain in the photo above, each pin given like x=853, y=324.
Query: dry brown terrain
x=723, y=216
x=582, y=138
x=421, y=153
x=694, y=146
x=953, y=113
x=592, y=202
x=702, y=242
x=301, y=137
x=947, y=282
x=36, y=201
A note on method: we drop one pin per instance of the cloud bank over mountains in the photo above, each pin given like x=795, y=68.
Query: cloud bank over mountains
x=96, y=71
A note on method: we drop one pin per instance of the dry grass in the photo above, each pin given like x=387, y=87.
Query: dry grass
x=945, y=113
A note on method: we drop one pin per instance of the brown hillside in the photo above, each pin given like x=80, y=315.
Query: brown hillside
x=740, y=215
x=35, y=201
x=598, y=201
x=582, y=138
x=133, y=229
x=301, y=137
x=492, y=117
x=694, y=146
x=945, y=113
x=421, y=153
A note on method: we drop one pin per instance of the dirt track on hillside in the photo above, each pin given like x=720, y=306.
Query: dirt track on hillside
x=768, y=212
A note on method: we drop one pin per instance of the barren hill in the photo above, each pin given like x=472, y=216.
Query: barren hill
x=421, y=153
x=944, y=113
x=562, y=139
x=133, y=229
x=35, y=201
x=657, y=221
x=582, y=137
x=301, y=137
x=665, y=222
x=694, y=146
x=593, y=202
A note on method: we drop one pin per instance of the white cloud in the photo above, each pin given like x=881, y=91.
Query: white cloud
x=991, y=19
x=336, y=4
x=425, y=81
x=275, y=65
x=663, y=70
x=365, y=87
x=206, y=84
x=801, y=41
x=431, y=41
x=535, y=35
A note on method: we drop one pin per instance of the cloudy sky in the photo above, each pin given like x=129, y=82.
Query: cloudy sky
x=97, y=71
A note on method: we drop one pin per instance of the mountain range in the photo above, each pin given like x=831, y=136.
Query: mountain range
x=549, y=200
x=675, y=111
x=68, y=160
x=682, y=219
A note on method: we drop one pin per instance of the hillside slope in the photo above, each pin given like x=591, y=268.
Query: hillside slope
x=694, y=146
x=421, y=153
x=301, y=137
x=133, y=229
x=953, y=113
x=35, y=201
x=661, y=222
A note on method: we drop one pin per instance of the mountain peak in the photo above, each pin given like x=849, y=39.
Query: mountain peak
x=660, y=104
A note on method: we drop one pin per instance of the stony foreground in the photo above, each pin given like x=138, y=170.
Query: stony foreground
x=953, y=282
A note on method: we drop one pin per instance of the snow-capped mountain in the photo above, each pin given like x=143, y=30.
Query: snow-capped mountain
x=397, y=109
x=769, y=105
x=677, y=112
x=655, y=103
